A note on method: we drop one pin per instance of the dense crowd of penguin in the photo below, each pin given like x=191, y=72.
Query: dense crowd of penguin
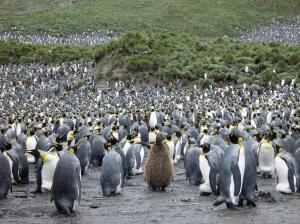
x=226, y=136
x=286, y=31
x=91, y=38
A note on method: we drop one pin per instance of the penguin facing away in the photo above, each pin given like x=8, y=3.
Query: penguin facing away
x=66, y=187
x=112, y=177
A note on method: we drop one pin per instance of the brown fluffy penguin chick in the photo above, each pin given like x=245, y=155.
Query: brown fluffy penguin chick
x=159, y=167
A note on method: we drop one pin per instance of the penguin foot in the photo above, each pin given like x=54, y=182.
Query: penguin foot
x=240, y=203
x=37, y=191
x=251, y=203
x=219, y=201
x=205, y=194
x=230, y=205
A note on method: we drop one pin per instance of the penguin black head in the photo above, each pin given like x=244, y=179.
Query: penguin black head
x=35, y=153
x=169, y=137
x=279, y=145
x=233, y=138
x=205, y=147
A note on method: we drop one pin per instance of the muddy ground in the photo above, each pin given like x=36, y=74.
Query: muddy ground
x=181, y=203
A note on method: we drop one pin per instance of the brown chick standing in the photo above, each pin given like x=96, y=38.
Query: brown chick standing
x=159, y=167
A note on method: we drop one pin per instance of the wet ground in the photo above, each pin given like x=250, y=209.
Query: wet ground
x=181, y=203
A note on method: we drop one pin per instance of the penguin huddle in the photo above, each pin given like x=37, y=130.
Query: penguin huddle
x=227, y=137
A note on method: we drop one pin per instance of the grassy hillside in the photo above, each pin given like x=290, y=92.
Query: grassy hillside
x=205, y=18
x=168, y=56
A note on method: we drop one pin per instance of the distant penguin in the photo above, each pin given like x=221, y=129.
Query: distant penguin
x=171, y=147
x=20, y=167
x=159, y=167
x=5, y=176
x=153, y=119
x=31, y=143
x=135, y=158
x=232, y=171
x=191, y=164
x=266, y=155
x=209, y=162
x=45, y=168
x=98, y=150
x=152, y=136
x=177, y=155
x=112, y=177
x=84, y=154
x=285, y=167
x=66, y=187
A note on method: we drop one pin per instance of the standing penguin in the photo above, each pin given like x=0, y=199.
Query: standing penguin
x=232, y=172
x=159, y=167
x=210, y=160
x=84, y=153
x=266, y=155
x=285, y=167
x=153, y=119
x=97, y=150
x=112, y=177
x=5, y=176
x=45, y=168
x=135, y=158
x=66, y=187
x=191, y=164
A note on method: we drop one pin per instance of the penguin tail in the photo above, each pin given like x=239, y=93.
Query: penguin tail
x=219, y=201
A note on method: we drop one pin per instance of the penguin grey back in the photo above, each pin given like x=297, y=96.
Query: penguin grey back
x=191, y=164
x=111, y=176
x=66, y=187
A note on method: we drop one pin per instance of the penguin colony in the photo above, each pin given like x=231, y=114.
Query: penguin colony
x=91, y=38
x=226, y=137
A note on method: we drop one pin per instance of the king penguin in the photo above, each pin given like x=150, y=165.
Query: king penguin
x=45, y=169
x=285, y=167
x=266, y=155
x=210, y=160
x=232, y=172
x=112, y=177
x=5, y=176
x=66, y=194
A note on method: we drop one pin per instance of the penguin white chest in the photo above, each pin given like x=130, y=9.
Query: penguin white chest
x=205, y=170
x=177, y=150
x=152, y=137
x=241, y=164
x=126, y=147
x=153, y=119
x=48, y=172
x=171, y=149
x=266, y=156
x=10, y=165
x=282, y=174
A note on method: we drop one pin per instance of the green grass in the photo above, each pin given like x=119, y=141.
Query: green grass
x=204, y=18
x=17, y=53
x=170, y=56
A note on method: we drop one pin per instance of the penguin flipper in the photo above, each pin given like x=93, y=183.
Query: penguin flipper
x=15, y=171
x=213, y=179
x=236, y=179
x=79, y=185
x=291, y=174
